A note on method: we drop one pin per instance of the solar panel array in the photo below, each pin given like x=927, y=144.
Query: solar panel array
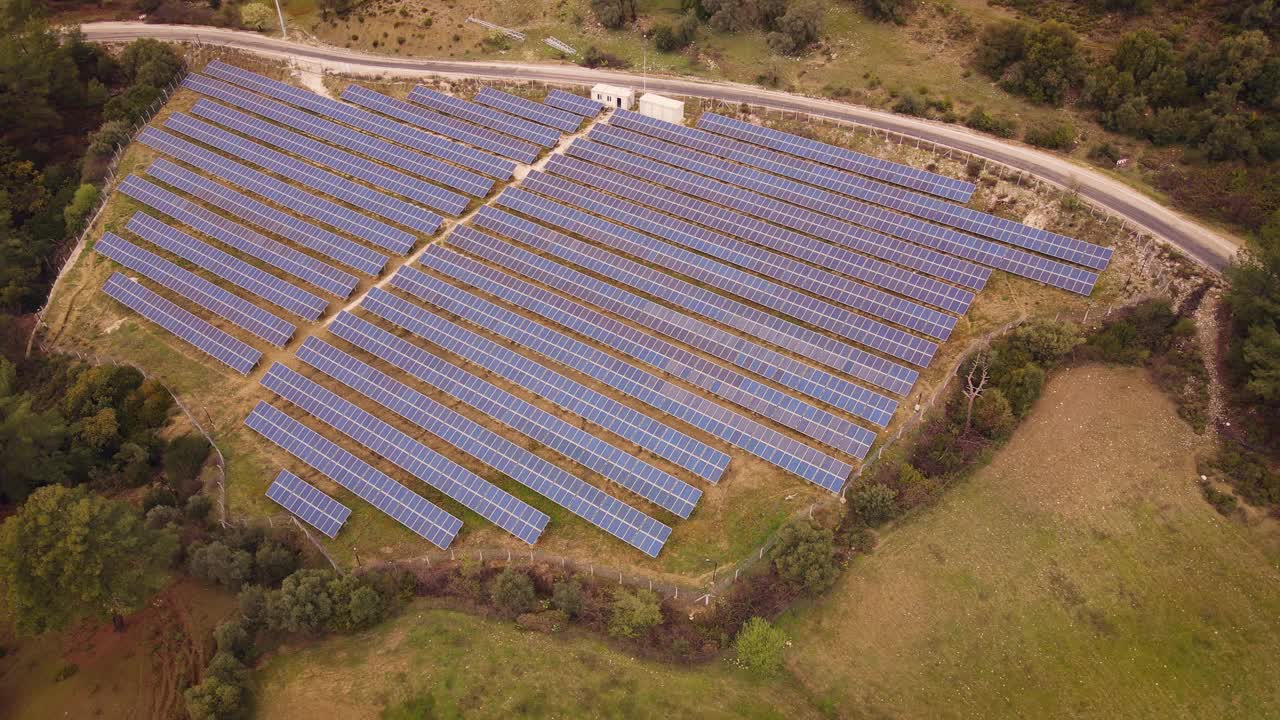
x=596, y=507
x=862, y=267
x=576, y=104
x=529, y=110
x=406, y=135
x=815, y=383
x=770, y=445
x=487, y=117
x=302, y=266
x=631, y=473
x=196, y=289
x=421, y=516
x=898, y=174
x=331, y=245
x=940, y=211
x=282, y=193
x=497, y=143
x=228, y=267
x=836, y=354
x=665, y=442
x=227, y=350
x=307, y=502
x=374, y=147
x=477, y=494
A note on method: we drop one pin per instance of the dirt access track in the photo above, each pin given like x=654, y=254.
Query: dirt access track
x=1208, y=247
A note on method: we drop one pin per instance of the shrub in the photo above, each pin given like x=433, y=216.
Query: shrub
x=798, y=28
x=804, y=557
x=759, y=646
x=76, y=213
x=163, y=516
x=198, y=507
x=594, y=57
x=65, y=672
x=1224, y=503
x=513, y=593
x=157, y=496
x=979, y=119
x=183, y=458
x=566, y=596
x=224, y=693
x=874, y=504
x=547, y=621
x=221, y=565
x=909, y=103
x=993, y=416
x=104, y=141
x=273, y=562
x=252, y=602
x=633, y=612
x=256, y=16
x=1023, y=388
x=1055, y=136
x=232, y=637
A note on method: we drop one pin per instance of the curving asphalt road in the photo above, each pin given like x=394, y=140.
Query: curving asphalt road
x=1201, y=243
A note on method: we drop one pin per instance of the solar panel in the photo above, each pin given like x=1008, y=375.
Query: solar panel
x=905, y=201
x=302, y=266
x=340, y=135
x=763, y=262
x=481, y=115
x=467, y=157
x=576, y=104
x=311, y=177
x=587, y=502
x=925, y=260
x=226, y=266
x=665, y=442
x=817, y=384
x=529, y=110
x=421, y=516
x=989, y=253
x=307, y=502
x=485, y=139
x=752, y=437
x=205, y=337
x=905, y=175
x=904, y=282
x=728, y=384
x=857, y=328
x=196, y=289
x=331, y=245
x=841, y=356
x=282, y=193
x=631, y=473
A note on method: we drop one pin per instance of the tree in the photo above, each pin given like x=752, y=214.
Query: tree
x=222, y=565
x=223, y=694
x=633, y=612
x=513, y=593
x=252, y=601
x=31, y=446
x=1046, y=341
x=1254, y=298
x=798, y=28
x=273, y=562
x=804, y=556
x=566, y=596
x=875, y=504
x=303, y=603
x=975, y=382
x=759, y=646
x=232, y=637
x=1023, y=388
x=613, y=14
x=669, y=38
x=257, y=16
x=894, y=11
x=67, y=554
x=993, y=415
x=82, y=203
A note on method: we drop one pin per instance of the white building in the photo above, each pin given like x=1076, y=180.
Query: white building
x=613, y=96
x=662, y=108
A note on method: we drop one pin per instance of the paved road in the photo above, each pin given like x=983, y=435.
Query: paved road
x=1205, y=245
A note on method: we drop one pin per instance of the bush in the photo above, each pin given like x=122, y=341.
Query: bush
x=198, y=507
x=183, y=458
x=1224, y=503
x=670, y=38
x=273, y=562
x=1056, y=136
x=66, y=672
x=313, y=601
x=547, y=621
x=993, y=416
x=980, y=120
x=216, y=563
x=513, y=593
x=257, y=16
x=163, y=516
x=909, y=103
x=804, y=557
x=798, y=28
x=232, y=637
x=252, y=602
x=633, y=612
x=759, y=646
x=76, y=213
x=566, y=596
x=103, y=142
x=158, y=495
x=224, y=693
x=894, y=11
x=874, y=504
x=594, y=57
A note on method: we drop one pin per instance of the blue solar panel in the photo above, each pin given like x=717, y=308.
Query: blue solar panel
x=576, y=104
x=905, y=175
x=989, y=253
x=421, y=516
x=904, y=282
x=307, y=502
x=659, y=354
x=196, y=289
x=311, y=177
x=304, y=267
x=905, y=201
x=485, y=139
x=376, y=148
x=925, y=260
x=331, y=245
x=205, y=337
x=587, y=502
x=479, y=495
x=819, y=385
x=631, y=473
x=763, y=262
x=481, y=115
x=842, y=357
x=857, y=328
x=282, y=193
x=404, y=134
x=226, y=266
x=530, y=110
x=769, y=445
x=700, y=459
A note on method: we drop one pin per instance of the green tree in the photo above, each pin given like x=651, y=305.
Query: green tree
x=798, y=28
x=566, y=596
x=223, y=694
x=894, y=11
x=233, y=637
x=82, y=203
x=303, y=603
x=513, y=592
x=273, y=562
x=1023, y=387
x=759, y=646
x=875, y=504
x=633, y=612
x=31, y=443
x=257, y=16
x=222, y=565
x=67, y=554
x=993, y=415
x=804, y=556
